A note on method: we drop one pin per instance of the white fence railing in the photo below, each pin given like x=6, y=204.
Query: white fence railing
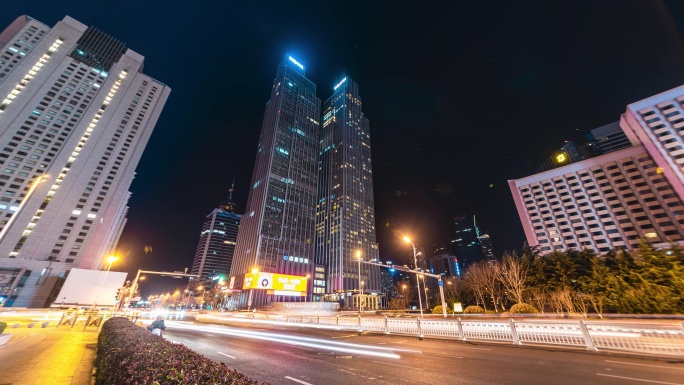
x=617, y=336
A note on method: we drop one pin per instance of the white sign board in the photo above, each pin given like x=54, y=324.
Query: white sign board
x=458, y=308
x=90, y=287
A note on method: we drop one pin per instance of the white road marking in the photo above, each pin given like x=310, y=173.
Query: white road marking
x=640, y=379
x=296, y=380
x=346, y=371
x=650, y=366
x=469, y=347
x=343, y=336
x=187, y=341
x=401, y=366
x=224, y=354
x=301, y=347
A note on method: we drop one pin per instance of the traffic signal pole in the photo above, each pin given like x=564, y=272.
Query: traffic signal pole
x=134, y=285
x=408, y=270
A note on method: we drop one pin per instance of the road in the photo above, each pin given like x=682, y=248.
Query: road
x=286, y=355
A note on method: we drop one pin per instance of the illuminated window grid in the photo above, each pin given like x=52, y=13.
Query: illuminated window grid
x=616, y=200
x=65, y=169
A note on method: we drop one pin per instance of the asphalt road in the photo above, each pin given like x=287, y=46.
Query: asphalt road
x=287, y=355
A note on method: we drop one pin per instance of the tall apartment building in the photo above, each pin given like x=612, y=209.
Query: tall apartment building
x=216, y=246
x=616, y=199
x=75, y=115
x=345, y=216
x=277, y=230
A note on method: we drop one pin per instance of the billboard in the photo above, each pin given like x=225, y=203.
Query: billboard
x=90, y=287
x=272, y=281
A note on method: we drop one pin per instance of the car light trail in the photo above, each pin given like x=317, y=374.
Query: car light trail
x=346, y=347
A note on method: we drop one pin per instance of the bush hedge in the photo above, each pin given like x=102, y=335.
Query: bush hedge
x=473, y=310
x=438, y=310
x=523, y=308
x=2, y=327
x=129, y=354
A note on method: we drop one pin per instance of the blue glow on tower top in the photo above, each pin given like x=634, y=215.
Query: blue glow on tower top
x=340, y=83
x=296, y=62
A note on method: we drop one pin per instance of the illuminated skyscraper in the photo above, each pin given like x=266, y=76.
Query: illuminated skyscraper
x=76, y=112
x=216, y=246
x=345, y=217
x=277, y=230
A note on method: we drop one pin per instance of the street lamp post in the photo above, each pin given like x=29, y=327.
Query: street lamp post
x=415, y=262
x=358, y=258
x=425, y=288
x=441, y=294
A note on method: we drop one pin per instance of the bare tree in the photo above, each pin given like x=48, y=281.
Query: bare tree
x=581, y=303
x=397, y=304
x=476, y=282
x=597, y=302
x=512, y=274
x=561, y=300
x=538, y=297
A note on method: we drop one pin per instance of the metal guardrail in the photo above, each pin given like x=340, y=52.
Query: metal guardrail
x=628, y=337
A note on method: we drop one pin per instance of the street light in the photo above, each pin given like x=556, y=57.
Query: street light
x=249, y=300
x=111, y=260
x=415, y=262
x=358, y=258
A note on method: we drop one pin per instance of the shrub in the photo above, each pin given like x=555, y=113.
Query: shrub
x=473, y=310
x=523, y=308
x=490, y=312
x=438, y=310
x=2, y=327
x=129, y=354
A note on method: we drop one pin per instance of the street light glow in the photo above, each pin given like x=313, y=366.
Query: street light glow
x=255, y=270
x=407, y=239
x=112, y=259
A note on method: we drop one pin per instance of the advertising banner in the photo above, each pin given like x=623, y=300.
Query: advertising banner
x=271, y=281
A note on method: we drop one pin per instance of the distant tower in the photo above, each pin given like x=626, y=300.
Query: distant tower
x=464, y=241
x=214, y=254
x=277, y=231
x=345, y=218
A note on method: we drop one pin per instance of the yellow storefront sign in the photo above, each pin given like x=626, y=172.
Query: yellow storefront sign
x=271, y=281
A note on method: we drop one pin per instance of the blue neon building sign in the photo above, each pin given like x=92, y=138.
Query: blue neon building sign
x=340, y=83
x=296, y=62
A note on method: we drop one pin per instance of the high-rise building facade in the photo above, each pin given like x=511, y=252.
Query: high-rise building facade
x=658, y=123
x=345, y=216
x=616, y=199
x=608, y=138
x=464, y=242
x=216, y=246
x=277, y=230
x=75, y=115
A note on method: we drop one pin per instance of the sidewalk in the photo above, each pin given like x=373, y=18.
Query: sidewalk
x=51, y=356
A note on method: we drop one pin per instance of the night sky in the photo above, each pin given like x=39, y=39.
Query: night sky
x=460, y=97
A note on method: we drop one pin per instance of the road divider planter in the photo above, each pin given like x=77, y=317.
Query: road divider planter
x=129, y=354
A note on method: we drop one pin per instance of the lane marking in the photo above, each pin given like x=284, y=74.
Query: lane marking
x=227, y=355
x=472, y=348
x=346, y=371
x=296, y=380
x=651, y=366
x=343, y=336
x=410, y=367
x=640, y=379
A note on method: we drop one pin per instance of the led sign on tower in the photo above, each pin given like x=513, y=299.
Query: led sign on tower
x=271, y=281
x=296, y=62
x=560, y=158
x=340, y=83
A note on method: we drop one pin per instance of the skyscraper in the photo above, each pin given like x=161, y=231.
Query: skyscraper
x=277, y=230
x=75, y=115
x=608, y=138
x=216, y=246
x=464, y=242
x=345, y=216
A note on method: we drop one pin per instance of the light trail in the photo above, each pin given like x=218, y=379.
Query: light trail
x=367, y=350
